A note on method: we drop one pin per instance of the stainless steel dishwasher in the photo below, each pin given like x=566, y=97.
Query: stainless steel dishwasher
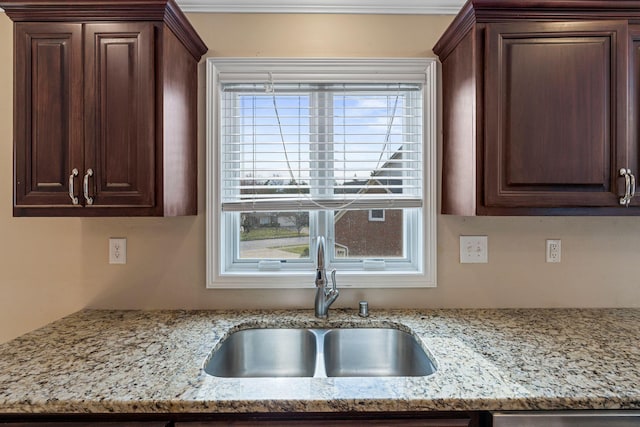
x=604, y=418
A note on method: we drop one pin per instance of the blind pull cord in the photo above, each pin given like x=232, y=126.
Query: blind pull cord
x=270, y=88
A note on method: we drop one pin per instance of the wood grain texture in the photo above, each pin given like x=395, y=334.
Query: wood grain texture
x=179, y=128
x=109, y=10
x=560, y=10
x=456, y=32
x=337, y=419
x=553, y=138
x=493, y=11
x=459, y=173
x=557, y=99
x=119, y=114
x=634, y=105
x=48, y=101
x=105, y=96
x=301, y=419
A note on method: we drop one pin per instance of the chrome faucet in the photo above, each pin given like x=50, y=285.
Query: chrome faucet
x=325, y=296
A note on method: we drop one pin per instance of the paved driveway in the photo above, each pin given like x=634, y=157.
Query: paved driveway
x=268, y=248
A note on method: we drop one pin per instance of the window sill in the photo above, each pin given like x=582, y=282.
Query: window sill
x=345, y=279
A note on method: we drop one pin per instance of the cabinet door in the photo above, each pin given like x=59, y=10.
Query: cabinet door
x=120, y=114
x=555, y=111
x=72, y=423
x=48, y=113
x=634, y=106
x=311, y=422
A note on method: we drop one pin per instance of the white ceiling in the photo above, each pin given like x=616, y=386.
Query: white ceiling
x=323, y=6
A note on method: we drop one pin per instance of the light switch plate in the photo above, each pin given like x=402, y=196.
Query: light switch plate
x=474, y=249
x=117, y=250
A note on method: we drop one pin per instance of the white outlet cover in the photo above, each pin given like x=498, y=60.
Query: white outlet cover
x=474, y=249
x=554, y=250
x=117, y=250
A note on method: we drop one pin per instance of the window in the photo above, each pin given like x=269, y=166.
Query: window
x=339, y=148
x=376, y=215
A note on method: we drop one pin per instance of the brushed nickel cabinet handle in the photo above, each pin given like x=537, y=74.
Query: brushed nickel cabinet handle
x=633, y=185
x=86, y=186
x=626, y=199
x=72, y=193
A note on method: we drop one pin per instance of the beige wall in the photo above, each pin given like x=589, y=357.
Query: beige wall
x=39, y=258
x=51, y=267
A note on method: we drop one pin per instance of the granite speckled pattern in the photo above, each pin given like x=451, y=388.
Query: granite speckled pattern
x=151, y=362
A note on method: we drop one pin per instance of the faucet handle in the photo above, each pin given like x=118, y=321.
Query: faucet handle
x=333, y=280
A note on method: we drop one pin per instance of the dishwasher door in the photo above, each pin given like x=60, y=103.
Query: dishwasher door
x=604, y=418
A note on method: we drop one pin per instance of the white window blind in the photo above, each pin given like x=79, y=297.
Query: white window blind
x=309, y=146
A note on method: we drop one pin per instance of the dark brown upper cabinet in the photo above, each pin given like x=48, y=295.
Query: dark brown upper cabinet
x=105, y=108
x=539, y=108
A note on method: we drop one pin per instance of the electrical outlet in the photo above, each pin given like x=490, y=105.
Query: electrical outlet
x=117, y=250
x=554, y=250
x=474, y=249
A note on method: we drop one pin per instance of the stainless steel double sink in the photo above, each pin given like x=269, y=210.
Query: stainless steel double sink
x=338, y=352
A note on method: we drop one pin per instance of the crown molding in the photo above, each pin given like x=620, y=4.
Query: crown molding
x=428, y=7
x=407, y=7
x=166, y=11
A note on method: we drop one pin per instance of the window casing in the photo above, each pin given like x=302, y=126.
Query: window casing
x=291, y=116
x=376, y=215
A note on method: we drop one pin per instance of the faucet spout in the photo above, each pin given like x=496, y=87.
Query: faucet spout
x=325, y=296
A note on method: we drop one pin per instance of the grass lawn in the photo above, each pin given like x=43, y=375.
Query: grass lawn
x=301, y=250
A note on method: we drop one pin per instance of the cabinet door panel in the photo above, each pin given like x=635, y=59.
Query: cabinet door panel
x=48, y=111
x=119, y=127
x=87, y=424
x=634, y=107
x=555, y=106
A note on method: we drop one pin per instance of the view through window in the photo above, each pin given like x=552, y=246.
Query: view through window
x=288, y=145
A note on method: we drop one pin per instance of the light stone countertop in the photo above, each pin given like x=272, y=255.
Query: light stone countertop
x=98, y=361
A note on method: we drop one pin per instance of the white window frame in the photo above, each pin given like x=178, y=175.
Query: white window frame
x=341, y=70
x=375, y=218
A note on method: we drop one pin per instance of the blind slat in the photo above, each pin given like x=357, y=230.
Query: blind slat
x=277, y=205
x=355, y=145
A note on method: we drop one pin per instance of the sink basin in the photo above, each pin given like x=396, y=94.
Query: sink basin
x=374, y=352
x=265, y=353
x=339, y=352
